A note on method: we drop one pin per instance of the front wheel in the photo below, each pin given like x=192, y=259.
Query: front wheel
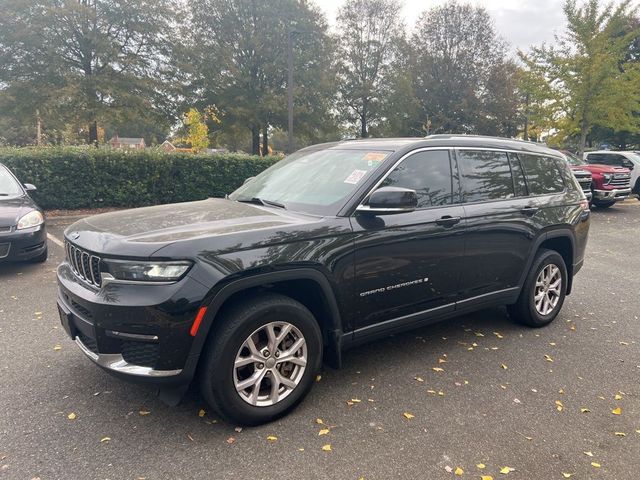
x=604, y=203
x=261, y=360
x=543, y=291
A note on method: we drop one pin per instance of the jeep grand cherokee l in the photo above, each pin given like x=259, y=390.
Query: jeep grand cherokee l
x=335, y=245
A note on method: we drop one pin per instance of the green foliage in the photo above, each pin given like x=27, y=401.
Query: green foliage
x=75, y=177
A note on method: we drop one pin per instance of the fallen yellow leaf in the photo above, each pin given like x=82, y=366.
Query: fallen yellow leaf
x=105, y=439
x=324, y=431
x=71, y=416
x=548, y=358
x=588, y=454
x=486, y=477
x=437, y=369
x=620, y=434
x=319, y=421
x=442, y=360
x=419, y=379
x=595, y=465
x=478, y=334
x=618, y=396
x=326, y=448
x=616, y=411
x=201, y=413
x=318, y=378
x=458, y=471
x=498, y=334
x=356, y=400
x=144, y=412
x=567, y=475
x=585, y=410
x=504, y=367
x=272, y=438
x=506, y=470
x=408, y=415
x=481, y=466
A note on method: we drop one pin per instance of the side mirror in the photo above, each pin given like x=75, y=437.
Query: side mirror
x=390, y=200
x=30, y=187
x=627, y=164
x=247, y=180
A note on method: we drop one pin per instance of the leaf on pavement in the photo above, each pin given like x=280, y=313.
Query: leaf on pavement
x=498, y=334
x=584, y=410
x=548, y=358
x=319, y=421
x=272, y=438
x=458, y=471
x=419, y=379
x=408, y=415
x=71, y=416
x=618, y=396
x=318, y=378
x=481, y=466
x=567, y=475
x=105, y=439
x=437, y=369
x=326, y=448
x=202, y=413
x=595, y=465
x=616, y=411
x=231, y=440
x=588, y=454
x=324, y=431
x=144, y=412
x=620, y=434
x=356, y=400
x=506, y=470
x=504, y=367
x=559, y=405
x=57, y=348
x=486, y=477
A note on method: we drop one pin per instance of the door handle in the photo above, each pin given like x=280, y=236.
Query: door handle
x=448, y=221
x=529, y=211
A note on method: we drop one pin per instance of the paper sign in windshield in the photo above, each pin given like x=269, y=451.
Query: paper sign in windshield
x=375, y=156
x=355, y=176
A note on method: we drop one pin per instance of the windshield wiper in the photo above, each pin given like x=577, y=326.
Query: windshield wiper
x=262, y=201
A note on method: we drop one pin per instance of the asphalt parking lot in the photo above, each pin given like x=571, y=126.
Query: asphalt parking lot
x=563, y=400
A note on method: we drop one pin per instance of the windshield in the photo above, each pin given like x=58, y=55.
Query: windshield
x=313, y=181
x=574, y=160
x=8, y=185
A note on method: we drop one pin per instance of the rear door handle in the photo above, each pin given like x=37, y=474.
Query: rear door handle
x=448, y=221
x=529, y=211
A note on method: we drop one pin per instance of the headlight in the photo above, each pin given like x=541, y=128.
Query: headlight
x=132, y=271
x=607, y=177
x=31, y=219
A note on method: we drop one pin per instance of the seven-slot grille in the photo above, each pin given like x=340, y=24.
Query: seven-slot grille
x=84, y=264
x=621, y=180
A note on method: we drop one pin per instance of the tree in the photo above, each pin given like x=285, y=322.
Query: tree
x=86, y=62
x=239, y=62
x=464, y=83
x=371, y=32
x=590, y=72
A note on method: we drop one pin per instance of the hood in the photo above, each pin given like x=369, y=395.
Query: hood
x=147, y=229
x=12, y=208
x=598, y=168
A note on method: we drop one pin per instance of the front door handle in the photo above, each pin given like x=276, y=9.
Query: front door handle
x=448, y=221
x=529, y=211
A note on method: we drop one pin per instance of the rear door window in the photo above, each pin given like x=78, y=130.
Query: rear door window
x=486, y=175
x=519, y=183
x=543, y=175
x=429, y=174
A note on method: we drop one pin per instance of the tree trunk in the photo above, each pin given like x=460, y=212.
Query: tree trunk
x=363, y=119
x=255, y=140
x=93, y=133
x=583, y=138
x=265, y=140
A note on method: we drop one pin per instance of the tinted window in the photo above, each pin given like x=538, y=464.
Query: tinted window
x=543, y=175
x=428, y=173
x=8, y=185
x=485, y=176
x=518, y=176
x=605, y=158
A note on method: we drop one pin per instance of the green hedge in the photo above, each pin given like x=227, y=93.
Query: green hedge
x=69, y=178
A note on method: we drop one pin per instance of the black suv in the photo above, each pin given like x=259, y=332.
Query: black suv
x=335, y=245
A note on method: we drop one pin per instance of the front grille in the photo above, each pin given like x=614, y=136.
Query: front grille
x=140, y=353
x=84, y=264
x=88, y=342
x=5, y=229
x=621, y=180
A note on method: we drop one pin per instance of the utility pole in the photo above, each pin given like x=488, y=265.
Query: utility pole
x=38, y=128
x=290, y=89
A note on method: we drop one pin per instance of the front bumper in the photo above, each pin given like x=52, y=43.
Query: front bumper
x=135, y=332
x=22, y=245
x=616, y=194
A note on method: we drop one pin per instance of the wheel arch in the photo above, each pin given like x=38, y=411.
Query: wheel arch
x=561, y=240
x=305, y=285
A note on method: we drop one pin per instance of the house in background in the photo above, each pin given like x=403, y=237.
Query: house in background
x=169, y=147
x=127, y=143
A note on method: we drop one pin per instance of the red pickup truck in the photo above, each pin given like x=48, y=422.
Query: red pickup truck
x=608, y=184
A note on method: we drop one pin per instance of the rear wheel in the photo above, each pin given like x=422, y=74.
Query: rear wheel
x=262, y=360
x=543, y=291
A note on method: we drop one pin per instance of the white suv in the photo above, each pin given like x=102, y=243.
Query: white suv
x=628, y=159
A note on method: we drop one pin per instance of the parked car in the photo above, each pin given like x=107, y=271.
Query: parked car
x=335, y=245
x=583, y=176
x=624, y=159
x=23, y=235
x=609, y=184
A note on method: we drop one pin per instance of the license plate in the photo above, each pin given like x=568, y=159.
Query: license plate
x=65, y=320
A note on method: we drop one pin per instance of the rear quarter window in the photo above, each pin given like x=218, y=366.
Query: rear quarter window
x=543, y=174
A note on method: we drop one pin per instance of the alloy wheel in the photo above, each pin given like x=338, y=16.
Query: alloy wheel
x=548, y=289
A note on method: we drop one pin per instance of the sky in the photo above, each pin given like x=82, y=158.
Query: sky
x=520, y=22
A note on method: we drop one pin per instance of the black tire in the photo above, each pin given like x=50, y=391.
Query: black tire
x=604, y=204
x=42, y=257
x=524, y=310
x=236, y=325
